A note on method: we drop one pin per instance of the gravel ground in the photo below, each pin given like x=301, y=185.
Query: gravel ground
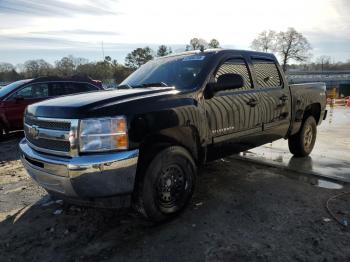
x=240, y=212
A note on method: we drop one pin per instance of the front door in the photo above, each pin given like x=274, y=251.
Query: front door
x=16, y=104
x=233, y=113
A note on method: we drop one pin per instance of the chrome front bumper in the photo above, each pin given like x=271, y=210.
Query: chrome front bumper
x=90, y=176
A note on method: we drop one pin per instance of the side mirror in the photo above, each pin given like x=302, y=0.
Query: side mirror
x=224, y=82
x=228, y=81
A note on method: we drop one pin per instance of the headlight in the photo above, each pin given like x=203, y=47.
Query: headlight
x=103, y=134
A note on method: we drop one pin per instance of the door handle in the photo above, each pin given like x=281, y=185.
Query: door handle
x=284, y=98
x=252, y=102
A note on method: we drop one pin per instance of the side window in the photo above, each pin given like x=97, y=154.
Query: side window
x=73, y=88
x=70, y=88
x=82, y=87
x=25, y=92
x=236, y=66
x=267, y=73
x=33, y=91
x=57, y=89
x=89, y=87
x=40, y=90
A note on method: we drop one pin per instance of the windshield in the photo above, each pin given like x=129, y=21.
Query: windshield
x=182, y=72
x=9, y=88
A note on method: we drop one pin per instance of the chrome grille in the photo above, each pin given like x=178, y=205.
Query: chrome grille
x=63, y=146
x=53, y=136
x=57, y=125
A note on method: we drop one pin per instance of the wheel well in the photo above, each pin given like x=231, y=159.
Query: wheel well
x=186, y=137
x=313, y=110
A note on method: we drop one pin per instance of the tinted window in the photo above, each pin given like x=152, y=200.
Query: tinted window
x=183, y=72
x=84, y=87
x=236, y=66
x=11, y=87
x=72, y=88
x=33, y=91
x=57, y=89
x=267, y=73
x=66, y=88
x=25, y=92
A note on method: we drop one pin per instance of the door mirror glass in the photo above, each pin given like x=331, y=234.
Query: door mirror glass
x=228, y=81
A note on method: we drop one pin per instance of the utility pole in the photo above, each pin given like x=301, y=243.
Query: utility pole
x=103, y=52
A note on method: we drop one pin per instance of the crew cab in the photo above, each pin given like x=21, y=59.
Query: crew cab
x=142, y=144
x=15, y=97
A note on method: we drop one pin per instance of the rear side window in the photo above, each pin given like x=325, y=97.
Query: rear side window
x=73, y=88
x=267, y=73
x=84, y=87
x=236, y=66
x=67, y=88
x=57, y=89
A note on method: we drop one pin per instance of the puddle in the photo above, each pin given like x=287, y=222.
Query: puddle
x=324, y=167
x=314, y=180
x=309, y=170
x=328, y=184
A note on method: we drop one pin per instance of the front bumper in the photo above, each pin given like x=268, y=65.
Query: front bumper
x=84, y=177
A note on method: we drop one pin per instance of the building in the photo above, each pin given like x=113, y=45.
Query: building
x=337, y=82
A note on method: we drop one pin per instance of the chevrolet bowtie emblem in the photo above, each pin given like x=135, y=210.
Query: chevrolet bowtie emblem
x=34, y=131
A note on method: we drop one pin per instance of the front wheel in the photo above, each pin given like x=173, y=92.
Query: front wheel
x=167, y=185
x=302, y=143
x=2, y=132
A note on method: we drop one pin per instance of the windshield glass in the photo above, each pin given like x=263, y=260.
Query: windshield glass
x=9, y=88
x=182, y=72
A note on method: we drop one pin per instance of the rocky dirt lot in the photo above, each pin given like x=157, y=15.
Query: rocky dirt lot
x=240, y=212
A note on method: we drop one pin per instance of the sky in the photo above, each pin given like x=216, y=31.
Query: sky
x=51, y=29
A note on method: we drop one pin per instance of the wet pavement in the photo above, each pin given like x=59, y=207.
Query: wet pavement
x=330, y=157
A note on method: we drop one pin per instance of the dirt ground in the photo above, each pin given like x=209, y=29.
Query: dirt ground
x=240, y=212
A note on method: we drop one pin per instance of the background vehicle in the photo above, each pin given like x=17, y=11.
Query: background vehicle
x=15, y=97
x=144, y=142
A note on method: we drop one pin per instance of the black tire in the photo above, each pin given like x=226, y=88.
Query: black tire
x=302, y=143
x=2, y=132
x=166, y=187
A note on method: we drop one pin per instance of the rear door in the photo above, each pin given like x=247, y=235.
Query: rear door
x=18, y=101
x=233, y=113
x=274, y=98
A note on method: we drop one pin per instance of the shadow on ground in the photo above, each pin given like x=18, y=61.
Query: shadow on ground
x=9, y=146
x=240, y=212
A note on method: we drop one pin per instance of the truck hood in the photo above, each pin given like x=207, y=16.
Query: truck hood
x=87, y=104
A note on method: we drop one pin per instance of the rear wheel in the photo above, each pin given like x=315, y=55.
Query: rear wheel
x=167, y=185
x=302, y=143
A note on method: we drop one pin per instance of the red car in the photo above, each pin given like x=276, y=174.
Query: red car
x=15, y=97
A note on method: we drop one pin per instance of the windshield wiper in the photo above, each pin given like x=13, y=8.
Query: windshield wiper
x=157, y=84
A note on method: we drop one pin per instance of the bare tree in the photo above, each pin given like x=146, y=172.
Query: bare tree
x=324, y=61
x=36, y=68
x=197, y=44
x=8, y=72
x=265, y=42
x=292, y=45
x=65, y=66
x=5, y=67
x=77, y=61
x=214, y=43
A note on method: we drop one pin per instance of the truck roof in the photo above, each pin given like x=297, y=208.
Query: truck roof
x=225, y=50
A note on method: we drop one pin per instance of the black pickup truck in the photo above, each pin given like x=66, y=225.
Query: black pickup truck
x=141, y=144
